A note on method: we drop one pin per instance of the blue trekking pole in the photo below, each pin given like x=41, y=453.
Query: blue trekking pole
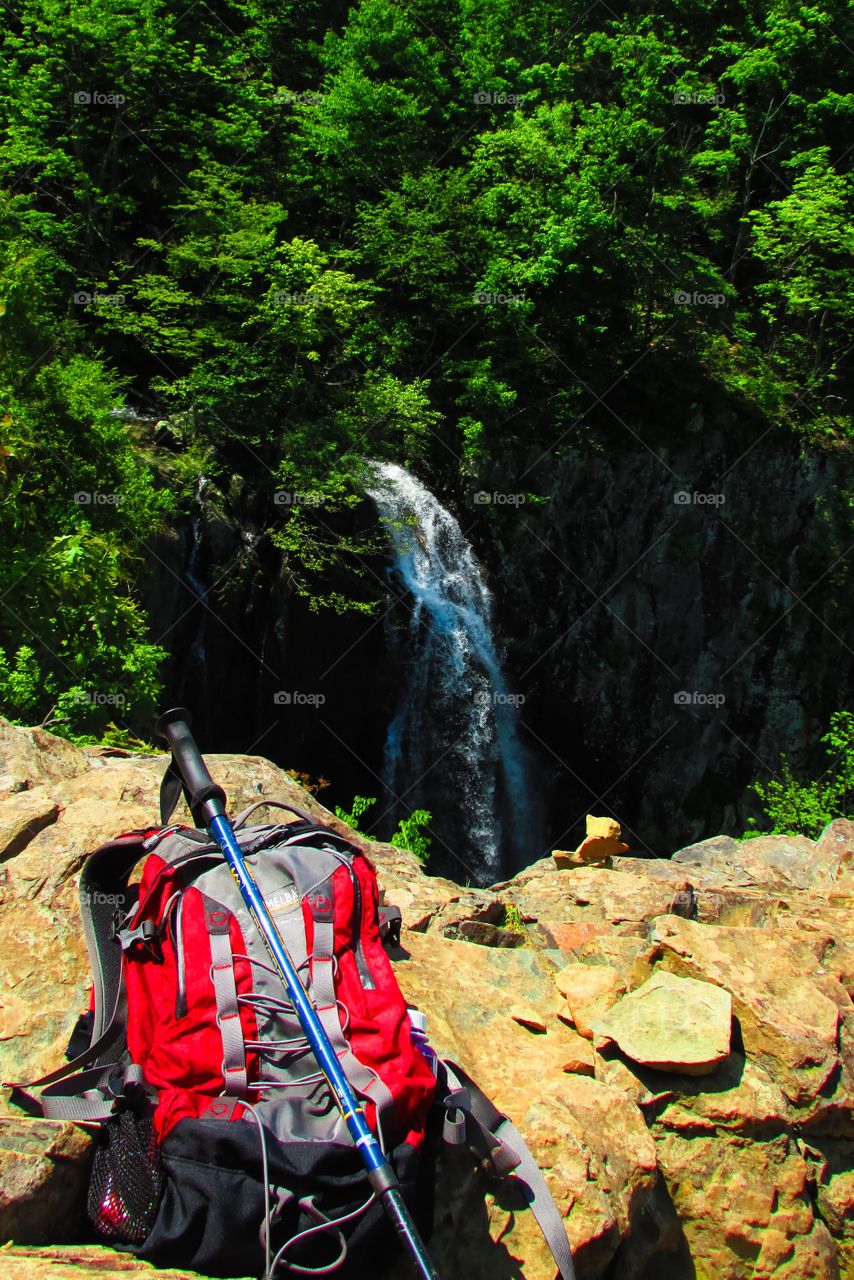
x=207, y=803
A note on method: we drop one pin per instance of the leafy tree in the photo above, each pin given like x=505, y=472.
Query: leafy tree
x=805, y=243
x=77, y=504
x=301, y=234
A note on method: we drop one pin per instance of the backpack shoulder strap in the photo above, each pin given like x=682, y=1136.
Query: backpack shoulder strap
x=103, y=900
x=473, y=1119
x=103, y=897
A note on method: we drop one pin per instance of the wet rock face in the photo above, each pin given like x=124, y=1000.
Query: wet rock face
x=651, y=614
x=744, y=1171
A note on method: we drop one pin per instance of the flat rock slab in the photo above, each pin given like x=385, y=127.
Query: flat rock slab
x=80, y=1262
x=672, y=1024
x=788, y=1007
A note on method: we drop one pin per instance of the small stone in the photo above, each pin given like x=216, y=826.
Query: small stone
x=565, y=1016
x=602, y=827
x=601, y=842
x=527, y=1017
x=589, y=990
x=579, y=1066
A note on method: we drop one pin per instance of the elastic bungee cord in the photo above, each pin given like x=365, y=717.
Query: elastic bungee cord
x=294, y=1046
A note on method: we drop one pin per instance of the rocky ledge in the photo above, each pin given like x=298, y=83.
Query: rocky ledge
x=673, y=1037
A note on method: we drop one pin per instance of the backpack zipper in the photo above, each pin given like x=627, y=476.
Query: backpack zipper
x=361, y=962
x=365, y=975
x=180, y=961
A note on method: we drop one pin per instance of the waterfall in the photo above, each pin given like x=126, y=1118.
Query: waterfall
x=452, y=746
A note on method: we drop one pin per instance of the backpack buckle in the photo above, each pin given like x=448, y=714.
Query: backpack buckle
x=390, y=924
x=146, y=933
x=154, y=839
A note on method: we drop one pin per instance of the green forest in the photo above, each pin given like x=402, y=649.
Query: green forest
x=271, y=238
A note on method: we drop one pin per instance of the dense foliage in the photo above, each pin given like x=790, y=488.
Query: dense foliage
x=301, y=232
x=794, y=807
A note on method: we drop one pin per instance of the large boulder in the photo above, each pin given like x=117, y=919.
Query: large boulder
x=672, y=1024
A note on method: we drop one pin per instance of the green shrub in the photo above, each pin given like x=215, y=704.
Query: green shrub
x=805, y=808
x=360, y=805
x=409, y=834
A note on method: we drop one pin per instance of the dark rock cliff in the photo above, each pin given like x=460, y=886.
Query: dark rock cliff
x=675, y=616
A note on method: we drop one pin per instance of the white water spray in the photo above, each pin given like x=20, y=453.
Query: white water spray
x=453, y=740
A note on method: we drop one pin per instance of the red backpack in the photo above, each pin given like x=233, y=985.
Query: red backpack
x=220, y=1147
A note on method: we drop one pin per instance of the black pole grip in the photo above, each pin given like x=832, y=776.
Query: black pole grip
x=206, y=798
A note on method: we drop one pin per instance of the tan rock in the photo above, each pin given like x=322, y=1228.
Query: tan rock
x=742, y=1098
x=579, y=1055
x=565, y=1016
x=672, y=1024
x=746, y=1153
x=22, y=816
x=602, y=828
x=836, y=846
x=601, y=842
x=527, y=1017
x=593, y=850
x=789, y=1010
x=43, y=1178
x=32, y=757
x=793, y=861
x=579, y=1066
x=463, y=988
x=645, y=1087
x=745, y=1207
x=566, y=937
x=80, y=1262
x=632, y=957
x=832, y=1166
x=589, y=991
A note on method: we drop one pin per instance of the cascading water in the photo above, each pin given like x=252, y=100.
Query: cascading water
x=452, y=746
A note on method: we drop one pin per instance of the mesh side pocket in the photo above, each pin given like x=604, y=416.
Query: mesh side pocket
x=127, y=1179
